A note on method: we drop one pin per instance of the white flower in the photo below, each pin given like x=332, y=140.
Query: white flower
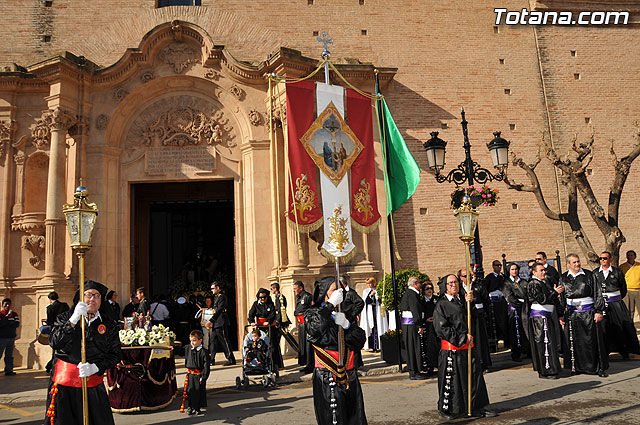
x=142, y=340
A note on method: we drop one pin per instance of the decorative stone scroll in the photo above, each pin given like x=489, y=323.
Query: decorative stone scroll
x=179, y=121
x=7, y=128
x=35, y=244
x=179, y=56
x=41, y=134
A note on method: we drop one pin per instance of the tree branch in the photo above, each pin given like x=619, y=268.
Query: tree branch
x=621, y=168
x=534, y=188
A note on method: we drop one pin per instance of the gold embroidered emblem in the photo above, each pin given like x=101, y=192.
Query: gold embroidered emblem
x=338, y=232
x=331, y=144
x=362, y=200
x=304, y=199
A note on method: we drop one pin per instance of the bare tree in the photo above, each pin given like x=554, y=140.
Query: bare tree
x=573, y=177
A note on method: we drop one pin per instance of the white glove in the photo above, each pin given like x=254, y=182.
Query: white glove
x=336, y=297
x=87, y=369
x=80, y=310
x=341, y=320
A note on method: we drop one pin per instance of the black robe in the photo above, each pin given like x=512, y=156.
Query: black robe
x=553, y=278
x=497, y=315
x=102, y=349
x=429, y=342
x=479, y=324
x=620, y=333
x=515, y=294
x=220, y=321
x=411, y=303
x=583, y=336
x=543, y=334
x=349, y=402
x=267, y=311
x=197, y=384
x=305, y=355
x=450, y=323
x=56, y=308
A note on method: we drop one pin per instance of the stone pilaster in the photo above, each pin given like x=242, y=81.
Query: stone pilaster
x=58, y=121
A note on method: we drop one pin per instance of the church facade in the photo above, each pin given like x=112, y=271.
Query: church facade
x=169, y=119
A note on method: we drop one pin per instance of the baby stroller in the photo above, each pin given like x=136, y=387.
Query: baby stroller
x=253, y=367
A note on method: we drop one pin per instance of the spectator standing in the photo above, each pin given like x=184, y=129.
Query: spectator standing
x=112, y=300
x=631, y=270
x=9, y=322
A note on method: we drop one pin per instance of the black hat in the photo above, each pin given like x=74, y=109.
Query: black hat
x=91, y=284
x=262, y=291
x=321, y=288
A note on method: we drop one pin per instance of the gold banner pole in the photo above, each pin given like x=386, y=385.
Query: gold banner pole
x=468, y=257
x=83, y=343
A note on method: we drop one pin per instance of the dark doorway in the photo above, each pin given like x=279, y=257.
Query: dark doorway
x=184, y=239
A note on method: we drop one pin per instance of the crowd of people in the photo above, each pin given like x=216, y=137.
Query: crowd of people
x=576, y=318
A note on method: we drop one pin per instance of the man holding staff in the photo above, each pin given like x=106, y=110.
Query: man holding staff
x=450, y=323
x=102, y=352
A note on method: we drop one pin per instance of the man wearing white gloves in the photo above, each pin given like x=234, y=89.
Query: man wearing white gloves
x=64, y=403
x=337, y=395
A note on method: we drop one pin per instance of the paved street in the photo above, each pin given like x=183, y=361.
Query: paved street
x=515, y=392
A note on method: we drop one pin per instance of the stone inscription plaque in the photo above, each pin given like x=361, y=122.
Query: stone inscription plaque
x=179, y=160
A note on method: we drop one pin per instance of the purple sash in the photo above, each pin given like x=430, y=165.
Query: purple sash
x=580, y=308
x=540, y=313
x=614, y=298
x=407, y=321
x=512, y=308
x=495, y=299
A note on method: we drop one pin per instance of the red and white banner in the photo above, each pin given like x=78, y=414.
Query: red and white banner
x=335, y=157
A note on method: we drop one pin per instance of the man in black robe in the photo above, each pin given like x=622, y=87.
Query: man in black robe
x=130, y=308
x=480, y=302
x=352, y=306
x=450, y=323
x=303, y=303
x=412, y=325
x=515, y=294
x=543, y=334
x=429, y=343
x=263, y=315
x=220, y=324
x=102, y=352
x=337, y=395
x=196, y=359
x=583, y=307
x=281, y=322
x=498, y=308
x=553, y=279
x=53, y=311
x=620, y=333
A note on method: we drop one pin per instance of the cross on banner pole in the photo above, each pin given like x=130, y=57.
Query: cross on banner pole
x=326, y=54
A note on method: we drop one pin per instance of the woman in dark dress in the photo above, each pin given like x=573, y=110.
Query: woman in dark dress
x=515, y=293
x=263, y=314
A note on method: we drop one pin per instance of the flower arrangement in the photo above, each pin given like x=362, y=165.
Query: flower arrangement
x=159, y=334
x=391, y=333
x=479, y=195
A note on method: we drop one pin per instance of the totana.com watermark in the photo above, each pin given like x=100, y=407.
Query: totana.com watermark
x=547, y=17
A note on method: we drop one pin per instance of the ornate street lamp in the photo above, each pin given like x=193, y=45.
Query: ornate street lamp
x=81, y=217
x=467, y=219
x=468, y=170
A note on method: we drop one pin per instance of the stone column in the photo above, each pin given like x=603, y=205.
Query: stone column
x=59, y=122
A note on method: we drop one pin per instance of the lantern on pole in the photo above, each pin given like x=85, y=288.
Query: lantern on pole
x=81, y=218
x=467, y=218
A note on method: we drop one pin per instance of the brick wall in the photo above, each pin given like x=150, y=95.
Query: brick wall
x=448, y=55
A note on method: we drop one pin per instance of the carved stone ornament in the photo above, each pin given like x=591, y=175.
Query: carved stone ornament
x=102, y=121
x=80, y=128
x=237, y=91
x=120, y=93
x=41, y=134
x=58, y=119
x=147, y=76
x=180, y=121
x=179, y=56
x=7, y=129
x=35, y=244
x=212, y=75
x=254, y=117
x=19, y=158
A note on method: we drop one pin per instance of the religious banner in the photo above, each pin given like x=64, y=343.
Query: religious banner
x=304, y=199
x=343, y=156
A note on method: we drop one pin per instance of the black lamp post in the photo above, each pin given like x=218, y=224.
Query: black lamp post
x=468, y=170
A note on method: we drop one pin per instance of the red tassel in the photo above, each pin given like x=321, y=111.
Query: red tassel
x=51, y=411
x=184, y=392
